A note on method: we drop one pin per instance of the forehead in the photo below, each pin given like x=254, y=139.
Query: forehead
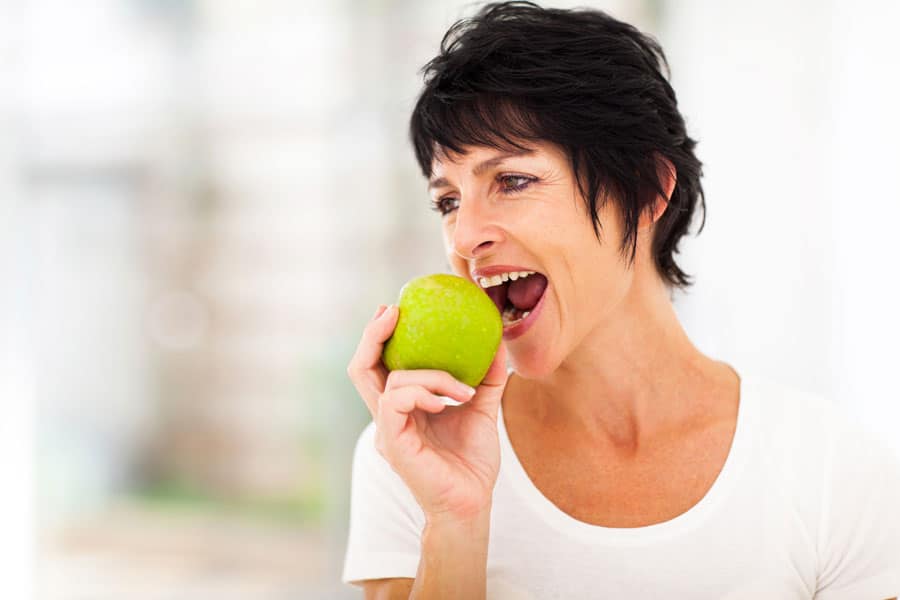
x=470, y=154
x=479, y=162
x=475, y=157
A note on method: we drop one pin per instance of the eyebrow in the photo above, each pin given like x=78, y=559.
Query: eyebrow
x=481, y=167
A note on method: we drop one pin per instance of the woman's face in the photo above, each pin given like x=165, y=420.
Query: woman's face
x=525, y=212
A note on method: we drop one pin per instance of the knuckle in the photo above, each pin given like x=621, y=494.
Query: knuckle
x=393, y=379
x=370, y=329
x=446, y=378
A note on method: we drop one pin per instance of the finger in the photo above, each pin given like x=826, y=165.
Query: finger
x=490, y=391
x=365, y=368
x=395, y=406
x=434, y=380
x=497, y=374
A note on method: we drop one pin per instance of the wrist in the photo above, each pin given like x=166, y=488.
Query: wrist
x=454, y=556
x=475, y=517
x=470, y=530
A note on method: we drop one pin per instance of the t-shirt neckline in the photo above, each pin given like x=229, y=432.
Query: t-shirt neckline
x=737, y=457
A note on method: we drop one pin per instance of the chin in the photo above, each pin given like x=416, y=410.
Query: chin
x=531, y=366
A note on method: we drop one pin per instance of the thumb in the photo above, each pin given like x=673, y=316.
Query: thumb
x=490, y=391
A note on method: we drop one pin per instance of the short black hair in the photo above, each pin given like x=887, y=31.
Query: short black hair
x=580, y=79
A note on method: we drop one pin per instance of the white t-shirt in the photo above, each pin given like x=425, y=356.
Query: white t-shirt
x=807, y=505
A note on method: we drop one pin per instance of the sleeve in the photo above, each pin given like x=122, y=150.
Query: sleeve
x=386, y=522
x=859, y=547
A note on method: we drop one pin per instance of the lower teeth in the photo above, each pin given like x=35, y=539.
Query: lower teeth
x=514, y=315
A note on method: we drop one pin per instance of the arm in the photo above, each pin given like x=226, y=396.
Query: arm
x=859, y=545
x=395, y=588
x=454, y=558
x=423, y=479
x=453, y=563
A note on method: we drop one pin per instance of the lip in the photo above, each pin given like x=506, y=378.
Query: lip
x=498, y=269
x=519, y=329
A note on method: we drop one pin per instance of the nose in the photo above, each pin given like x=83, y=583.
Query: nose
x=474, y=233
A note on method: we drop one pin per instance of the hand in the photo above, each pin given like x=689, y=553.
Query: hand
x=448, y=456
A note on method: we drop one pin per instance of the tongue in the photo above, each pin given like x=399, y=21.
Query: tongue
x=525, y=293
x=498, y=295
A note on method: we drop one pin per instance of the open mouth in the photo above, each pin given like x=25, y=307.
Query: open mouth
x=515, y=294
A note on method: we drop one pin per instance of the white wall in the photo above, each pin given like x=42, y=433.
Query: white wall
x=865, y=160
x=794, y=105
x=16, y=373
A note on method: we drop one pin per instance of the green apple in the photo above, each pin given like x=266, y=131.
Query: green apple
x=446, y=322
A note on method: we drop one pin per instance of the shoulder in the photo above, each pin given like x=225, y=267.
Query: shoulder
x=374, y=479
x=840, y=479
x=792, y=421
x=782, y=405
x=385, y=521
x=809, y=435
x=366, y=439
x=364, y=453
x=368, y=463
x=370, y=469
x=789, y=427
x=811, y=450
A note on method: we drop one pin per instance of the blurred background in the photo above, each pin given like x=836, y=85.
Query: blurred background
x=203, y=201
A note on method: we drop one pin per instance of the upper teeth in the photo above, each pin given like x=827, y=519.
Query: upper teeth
x=487, y=282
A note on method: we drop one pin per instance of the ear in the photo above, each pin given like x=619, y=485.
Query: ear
x=665, y=172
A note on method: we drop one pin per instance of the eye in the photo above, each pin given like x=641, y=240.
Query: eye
x=444, y=205
x=509, y=184
x=514, y=183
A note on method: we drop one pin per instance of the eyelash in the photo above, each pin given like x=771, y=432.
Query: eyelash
x=438, y=205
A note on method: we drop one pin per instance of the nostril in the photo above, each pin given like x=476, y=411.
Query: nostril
x=483, y=246
x=470, y=252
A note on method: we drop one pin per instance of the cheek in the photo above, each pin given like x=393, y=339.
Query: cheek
x=455, y=261
x=596, y=272
x=458, y=266
x=447, y=233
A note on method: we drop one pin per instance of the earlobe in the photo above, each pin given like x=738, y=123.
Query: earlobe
x=660, y=207
x=665, y=171
x=667, y=175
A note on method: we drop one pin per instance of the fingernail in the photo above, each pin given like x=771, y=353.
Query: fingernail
x=379, y=311
x=468, y=391
x=386, y=311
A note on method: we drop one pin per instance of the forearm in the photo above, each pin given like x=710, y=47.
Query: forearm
x=454, y=559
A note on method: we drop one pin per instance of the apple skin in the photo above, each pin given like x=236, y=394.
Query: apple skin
x=445, y=322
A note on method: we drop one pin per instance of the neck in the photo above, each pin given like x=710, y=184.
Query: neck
x=632, y=377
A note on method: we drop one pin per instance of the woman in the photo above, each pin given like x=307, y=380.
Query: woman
x=614, y=459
